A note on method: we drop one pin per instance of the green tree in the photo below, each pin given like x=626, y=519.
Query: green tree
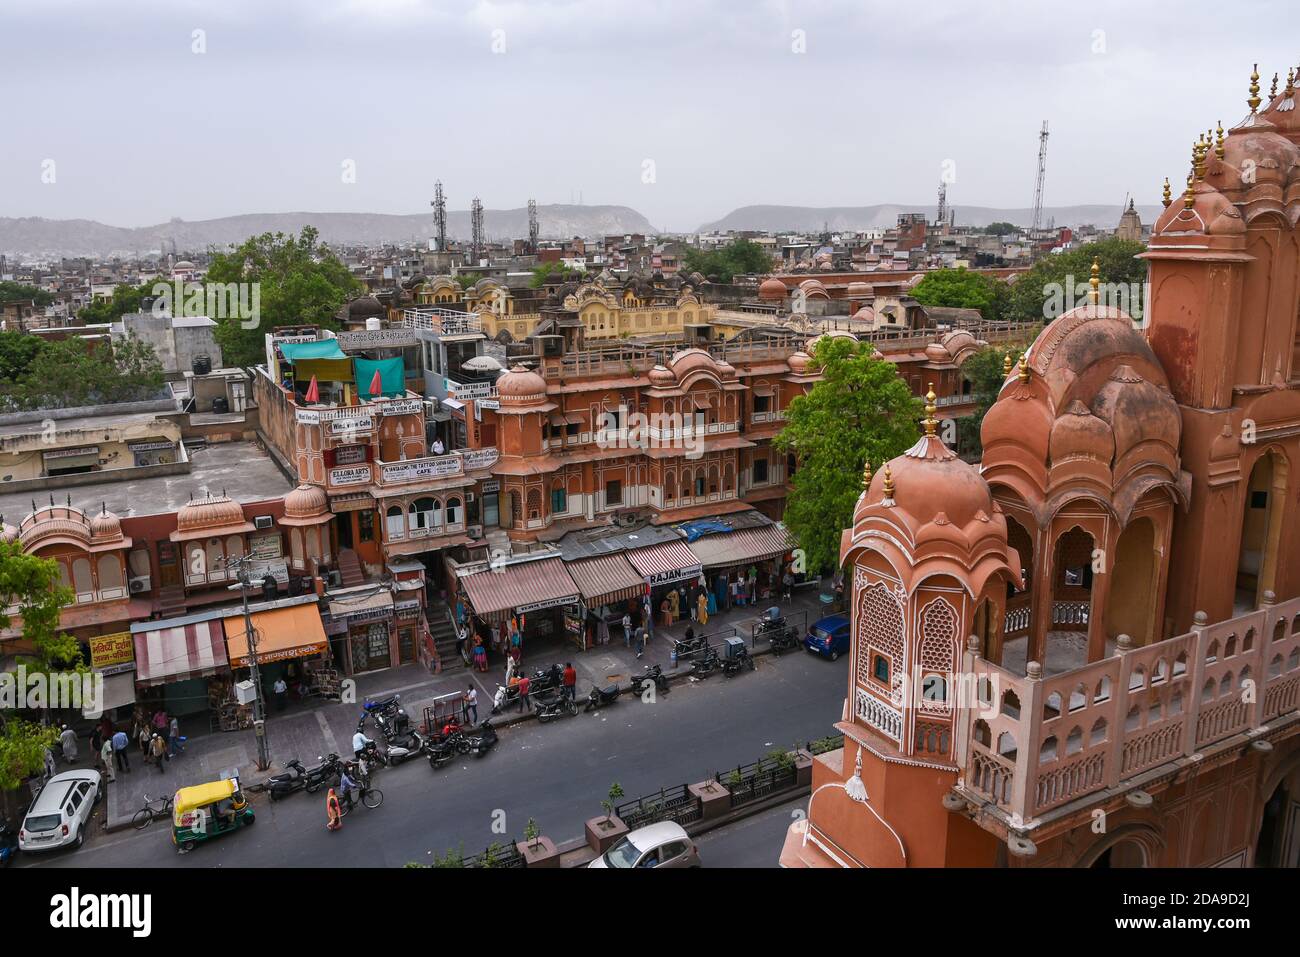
x=860, y=409
x=76, y=371
x=16, y=291
x=32, y=585
x=301, y=283
x=126, y=298
x=1040, y=294
x=550, y=272
x=17, y=350
x=983, y=371
x=964, y=289
x=739, y=257
x=1000, y=229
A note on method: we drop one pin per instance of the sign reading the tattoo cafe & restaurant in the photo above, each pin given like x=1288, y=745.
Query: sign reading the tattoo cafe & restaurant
x=436, y=466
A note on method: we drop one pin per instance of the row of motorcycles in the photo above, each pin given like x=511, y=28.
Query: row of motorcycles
x=705, y=659
x=546, y=692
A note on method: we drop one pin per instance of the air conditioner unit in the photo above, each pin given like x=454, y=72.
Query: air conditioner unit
x=335, y=579
x=138, y=585
x=475, y=531
x=262, y=521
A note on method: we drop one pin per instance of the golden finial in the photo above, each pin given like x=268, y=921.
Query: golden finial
x=866, y=474
x=1218, y=140
x=1006, y=365
x=1273, y=89
x=1024, y=367
x=1290, y=84
x=1189, y=195
x=930, y=409
x=1198, y=157
x=1094, y=292
x=1167, y=200
x=1253, y=101
x=889, y=482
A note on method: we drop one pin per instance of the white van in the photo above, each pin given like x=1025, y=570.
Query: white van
x=60, y=813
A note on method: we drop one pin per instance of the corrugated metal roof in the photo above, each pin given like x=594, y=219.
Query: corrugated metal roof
x=745, y=545
x=518, y=586
x=603, y=579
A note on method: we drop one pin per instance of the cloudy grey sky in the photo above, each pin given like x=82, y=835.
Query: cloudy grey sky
x=547, y=98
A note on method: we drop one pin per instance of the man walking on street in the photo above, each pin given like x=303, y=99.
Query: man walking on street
x=570, y=681
x=121, y=759
x=524, y=684
x=627, y=630
x=471, y=704
x=174, y=746
x=640, y=641
x=68, y=739
x=281, y=693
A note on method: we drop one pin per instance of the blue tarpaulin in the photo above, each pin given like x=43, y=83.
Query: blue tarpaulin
x=697, y=530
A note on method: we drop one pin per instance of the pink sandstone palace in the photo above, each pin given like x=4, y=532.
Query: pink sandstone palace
x=1086, y=650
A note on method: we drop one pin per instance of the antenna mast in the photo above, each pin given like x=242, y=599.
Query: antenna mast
x=1042, y=174
x=941, y=218
x=534, y=230
x=439, y=205
x=476, y=230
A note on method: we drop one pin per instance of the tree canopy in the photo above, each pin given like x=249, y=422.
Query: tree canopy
x=551, y=272
x=1000, y=228
x=963, y=289
x=126, y=298
x=48, y=374
x=1040, y=295
x=738, y=257
x=301, y=283
x=860, y=410
x=17, y=292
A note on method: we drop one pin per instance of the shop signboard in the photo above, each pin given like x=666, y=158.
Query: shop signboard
x=469, y=390
x=400, y=407
x=662, y=578
x=351, y=424
x=113, y=654
x=364, y=615
x=69, y=453
x=350, y=475
x=549, y=603
x=265, y=548
x=376, y=339
x=435, y=466
x=477, y=459
x=407, y=609
x=349, y=454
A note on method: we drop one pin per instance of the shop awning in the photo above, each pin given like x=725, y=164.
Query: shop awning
x=178, y=652
x=744, y=545
x=117, y=690
x=606, y=579
x=666, y=562
x=523, y=587
x=282, y=633
x=321, y=349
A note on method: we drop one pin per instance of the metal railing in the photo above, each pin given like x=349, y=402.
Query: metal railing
x=668, y=804
x=753, y=782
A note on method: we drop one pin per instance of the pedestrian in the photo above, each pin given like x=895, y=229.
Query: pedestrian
x=627, y=629
x=602, y=630
x=787, y=586
x=281, y=691
x=640, y=641
x=106, y=759
x=666, y=613
x=348, y=784
x=96, y=742
x=711, y=602
x=736, y=598
x=68, y=739
x=121, y=743
x=702, y=610
x=158, y=751
x=462, y=636
x=480, y=654
x=524, y=684
x=333, y=811
x=50, y=769
x=175, y=743
x=570, y=679
x=160, y=720
x=359, y=743
x=143, y=741
x=471, y=704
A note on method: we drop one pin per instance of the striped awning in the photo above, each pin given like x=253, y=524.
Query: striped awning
x=523, y=587
x=180, y=652
x=666, y=562
x=744, y=545
x=606, y=579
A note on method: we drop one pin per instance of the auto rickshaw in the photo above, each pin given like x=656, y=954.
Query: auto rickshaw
x=208, y=810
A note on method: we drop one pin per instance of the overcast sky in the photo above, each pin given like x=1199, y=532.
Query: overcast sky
x=546, y=99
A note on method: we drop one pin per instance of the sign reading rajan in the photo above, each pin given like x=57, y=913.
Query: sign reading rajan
x=113, y=653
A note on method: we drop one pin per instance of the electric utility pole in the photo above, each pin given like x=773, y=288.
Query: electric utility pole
x=259, y=706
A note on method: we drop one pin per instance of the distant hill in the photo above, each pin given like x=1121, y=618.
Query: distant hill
x=847, y=218
x=34, y=236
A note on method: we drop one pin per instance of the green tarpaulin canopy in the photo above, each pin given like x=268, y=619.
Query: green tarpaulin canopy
x=391, y=373
x=322, y=349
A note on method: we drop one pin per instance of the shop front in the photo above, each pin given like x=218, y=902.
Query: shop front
x=665, y=567
x=290, y=642
x=538, y=596
x=181, y=664
x=112, y=660
x=608, y=585
x=369, y=628
x=728, y=556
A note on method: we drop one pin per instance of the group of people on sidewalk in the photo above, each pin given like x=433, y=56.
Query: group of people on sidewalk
x=158, y=737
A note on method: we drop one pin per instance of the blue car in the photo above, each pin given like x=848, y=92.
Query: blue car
x=829, y=637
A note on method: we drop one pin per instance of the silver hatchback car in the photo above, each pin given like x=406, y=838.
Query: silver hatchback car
x=657, y=845
x=61, y=812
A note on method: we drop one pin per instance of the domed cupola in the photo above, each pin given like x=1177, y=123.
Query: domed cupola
x=1078, y=434
x=520, y=387
x=105, y=526
x=306, y=505
x=210, y=516
x=661, y=377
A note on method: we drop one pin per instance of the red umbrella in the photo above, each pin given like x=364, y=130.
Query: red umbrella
x=376, y=385
x=313, y=391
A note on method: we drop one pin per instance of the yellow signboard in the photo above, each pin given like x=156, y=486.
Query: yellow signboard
x=109, y=651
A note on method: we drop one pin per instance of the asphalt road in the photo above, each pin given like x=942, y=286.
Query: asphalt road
x=754, y=841
x=556, y=774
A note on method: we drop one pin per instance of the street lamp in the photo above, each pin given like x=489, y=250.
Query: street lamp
x=259, y=707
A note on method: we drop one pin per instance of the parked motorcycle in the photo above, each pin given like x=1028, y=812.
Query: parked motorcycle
x=504, y=698
x=554, y=706
x=600, y=697
x=735, y=664
x=376, y=705
x=443, y=751
x=297, y=778
x=654, y=674
x=706, y=663
x=690, y=646
x=483, y=740
x=777, y=632
x=404, y=747
x=545, y=680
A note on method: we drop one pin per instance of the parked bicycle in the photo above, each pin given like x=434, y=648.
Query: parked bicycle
x=158, y=807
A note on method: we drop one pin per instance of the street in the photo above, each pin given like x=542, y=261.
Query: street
x=557, y=774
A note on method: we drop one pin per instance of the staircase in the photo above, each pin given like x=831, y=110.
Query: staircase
x=444, y=636
x=171, y=601
x=350, y=568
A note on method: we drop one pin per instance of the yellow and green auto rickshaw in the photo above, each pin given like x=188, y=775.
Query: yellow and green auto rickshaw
x=208, y=810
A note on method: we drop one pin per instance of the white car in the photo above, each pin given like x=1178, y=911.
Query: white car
x=59, y=815
x=658, y=845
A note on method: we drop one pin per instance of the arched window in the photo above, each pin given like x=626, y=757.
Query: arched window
x=313, y=542
x=396, y=527
x=295, y=546
x=234, y=546
x=435, y=514
x=82, y=582
x=110, y=572
x=454, y=515
x=421, y=515
x=216, y=558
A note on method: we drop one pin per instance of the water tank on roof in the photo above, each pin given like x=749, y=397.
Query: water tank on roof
x=202, y=365
x=372, y=324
